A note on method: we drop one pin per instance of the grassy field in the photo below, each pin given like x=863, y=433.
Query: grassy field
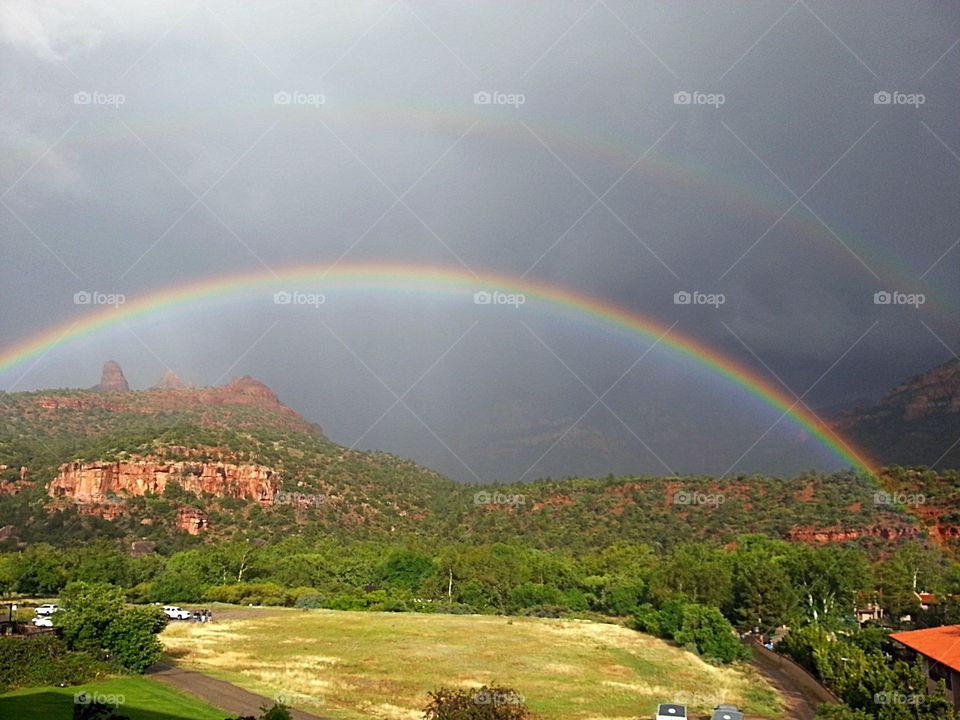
x=353, y=665
x=143, y=699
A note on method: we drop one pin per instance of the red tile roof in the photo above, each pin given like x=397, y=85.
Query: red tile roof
x=939, y=643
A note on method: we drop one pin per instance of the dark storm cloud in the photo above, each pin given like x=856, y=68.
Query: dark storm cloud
x=146, y=146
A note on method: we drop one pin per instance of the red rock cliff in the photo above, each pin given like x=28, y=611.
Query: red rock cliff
x=94, y=482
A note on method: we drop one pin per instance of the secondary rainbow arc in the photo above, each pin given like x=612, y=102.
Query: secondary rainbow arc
x=418, y=279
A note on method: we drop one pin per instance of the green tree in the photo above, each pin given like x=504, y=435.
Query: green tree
x=706, y=629
x=132, y=637
x=94, y=619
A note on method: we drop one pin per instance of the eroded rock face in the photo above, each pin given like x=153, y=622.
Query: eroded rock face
x=112, y=379
x=98, y=482
x=170, y=381
x=192, y=520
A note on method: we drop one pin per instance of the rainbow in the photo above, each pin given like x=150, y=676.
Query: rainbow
x=605, y=146
x=454, y=281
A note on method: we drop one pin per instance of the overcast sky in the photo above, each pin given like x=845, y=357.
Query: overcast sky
x=796, y=159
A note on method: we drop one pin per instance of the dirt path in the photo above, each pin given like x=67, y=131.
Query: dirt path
x=799, y=705
x=231, y=698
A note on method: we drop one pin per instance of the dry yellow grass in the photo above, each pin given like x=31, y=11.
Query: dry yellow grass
x=352, y=665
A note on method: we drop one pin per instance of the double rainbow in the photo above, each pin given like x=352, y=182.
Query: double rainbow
x=457, y=282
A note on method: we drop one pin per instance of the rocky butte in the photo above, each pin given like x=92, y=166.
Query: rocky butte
x=112, y=379
x=170, y=381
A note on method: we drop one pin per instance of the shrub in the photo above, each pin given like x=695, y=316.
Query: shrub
x=44, y=660
x=94, y=619
x=96, y=711
x=840, y=712
x=252, y=593
x=487, y=703
x=311, y=600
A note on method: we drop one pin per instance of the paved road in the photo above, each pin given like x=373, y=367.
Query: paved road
x=231, y=698
x=800, y=706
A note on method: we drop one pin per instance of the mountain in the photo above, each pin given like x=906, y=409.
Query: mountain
x=180, y=465
x=915, y=424
x=112, y=378
x=213, y=460
x=170, y=381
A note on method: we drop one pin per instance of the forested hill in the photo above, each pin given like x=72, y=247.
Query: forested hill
x=176, y=465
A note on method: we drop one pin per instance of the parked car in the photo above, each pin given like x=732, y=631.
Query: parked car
x=726, y=712
x=42, y=621
x=47, y=609
x=668, y=711
x=176, y=613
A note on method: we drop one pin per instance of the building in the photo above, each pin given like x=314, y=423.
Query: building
x=939, y=649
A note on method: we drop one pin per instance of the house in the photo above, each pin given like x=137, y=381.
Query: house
x=926, y=599
x=939, y=650
x=867, y=608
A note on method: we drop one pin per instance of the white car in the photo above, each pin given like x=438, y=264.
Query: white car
x=176, y=613
x=47, y=609
x=42, y=621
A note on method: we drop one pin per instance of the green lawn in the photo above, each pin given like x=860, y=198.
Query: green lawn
x=143, y=699
x=353, y=665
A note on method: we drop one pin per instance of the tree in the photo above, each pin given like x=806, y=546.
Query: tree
x=697, y=573
x=132, y=637
x=406, y=569
x=762, y=592
x=706, y=629
x=39, y=570
x=94, y=619
x=827, y=580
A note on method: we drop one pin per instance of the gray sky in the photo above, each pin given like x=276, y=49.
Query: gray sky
x=144, y=145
